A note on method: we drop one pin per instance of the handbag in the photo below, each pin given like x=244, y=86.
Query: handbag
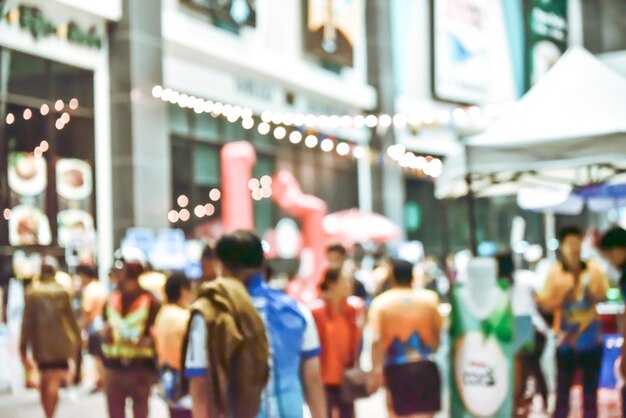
x=353, y=385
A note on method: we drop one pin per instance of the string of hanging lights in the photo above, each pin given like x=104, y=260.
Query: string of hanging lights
x=309, y=128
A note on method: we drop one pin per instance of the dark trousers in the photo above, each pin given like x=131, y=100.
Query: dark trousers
x=568, y=362
x=180, y=413
x=133, y=383
x=334, y=401
x=531, y=367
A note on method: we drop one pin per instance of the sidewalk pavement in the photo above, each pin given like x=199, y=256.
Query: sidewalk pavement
x=79, y=403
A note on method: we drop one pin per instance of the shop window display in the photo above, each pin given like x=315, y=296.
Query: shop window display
x=47, y=184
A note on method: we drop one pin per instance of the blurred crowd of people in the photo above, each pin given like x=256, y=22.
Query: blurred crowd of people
x=232, y=345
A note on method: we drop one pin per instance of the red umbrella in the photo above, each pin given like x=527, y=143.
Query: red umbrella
x=355, y=226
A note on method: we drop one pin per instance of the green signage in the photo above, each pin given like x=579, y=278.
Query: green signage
x=546, y=36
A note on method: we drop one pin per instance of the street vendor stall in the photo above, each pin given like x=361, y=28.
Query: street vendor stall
x=566, y=134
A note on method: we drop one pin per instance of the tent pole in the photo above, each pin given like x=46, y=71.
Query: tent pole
x=471, y=205
x=471, y=213
x=550, y=231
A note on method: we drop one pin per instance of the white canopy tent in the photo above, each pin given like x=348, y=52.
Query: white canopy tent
x=568, y=130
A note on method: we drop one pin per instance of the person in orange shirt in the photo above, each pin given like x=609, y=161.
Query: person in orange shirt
x=169, y=331
x=406, y=328
x=339, y=318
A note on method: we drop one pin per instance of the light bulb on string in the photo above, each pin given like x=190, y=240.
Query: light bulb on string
x=288, y=119
x=400, y=120
x=182, y=201
x=173, y=216
x=44, y=109
x=358, y=152
x=246, y=113
x=371, y=121
x=65, y=117
x=311, y=141
x=253, y=184
x=184, y=215
x=208, y=106
x=266, y=192
x=209, y=209
x=277, y=118
x=199, y=211
x=27, y=114
x=10, y=119
x=358, y=121
x=264, y=128
x=217, y=109
x=215, y=195
x=59, y=124
x=74, y=104
x=232, y=117
x=334, y=121
x=310, y=121
x=266, y=181
x=157, y=91
x=280, y=133
x=248, y=123
x=322, y=121
x=256, y=194
x=459, y=115
x=295, y=137
x=166, y=94
x=385, y=121
x=266, y=116
x=44, y=145
x=428, y=118
x=343, y=149
x=414, y=120
x=346, y=121
x=327, y=145
x=38, y=152
x=7, y=213
x=58, y=105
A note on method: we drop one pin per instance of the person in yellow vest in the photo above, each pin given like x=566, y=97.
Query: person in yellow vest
x=128, y=348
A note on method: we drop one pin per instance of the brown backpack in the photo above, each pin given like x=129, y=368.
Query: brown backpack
x=237, y=347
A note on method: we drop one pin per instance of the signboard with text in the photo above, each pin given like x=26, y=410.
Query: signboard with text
x=546, y=37
x=460, y=53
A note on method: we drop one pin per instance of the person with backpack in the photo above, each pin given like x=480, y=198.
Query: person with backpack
x=232, y=370
x=51, y=334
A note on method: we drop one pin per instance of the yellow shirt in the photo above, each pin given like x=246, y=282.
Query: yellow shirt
x=169, y=332
x=573, y=303
x=561, y=284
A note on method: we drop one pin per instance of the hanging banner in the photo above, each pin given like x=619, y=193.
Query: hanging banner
x=546, y=36
x=460, y=50
x=334, y=30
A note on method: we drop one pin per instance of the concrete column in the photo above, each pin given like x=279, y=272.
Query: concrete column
x=388, y=180
x=139, y=124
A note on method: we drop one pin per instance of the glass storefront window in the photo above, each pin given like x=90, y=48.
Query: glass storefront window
x=47, y=158
x=206, y=126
